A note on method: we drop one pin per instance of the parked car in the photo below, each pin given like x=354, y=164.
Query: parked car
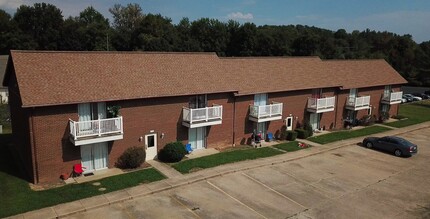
x=398, y=146
x=414, y=98
x=423, y=96
x=406, y=98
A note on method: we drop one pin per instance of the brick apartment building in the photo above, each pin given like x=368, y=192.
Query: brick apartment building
x=61, y=102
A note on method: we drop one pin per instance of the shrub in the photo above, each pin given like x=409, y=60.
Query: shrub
x=283, y=134
x=367, y=120
x=172, y=152
x=308, y=128
x=133, y=157
x=291, y=135
x=301, y=133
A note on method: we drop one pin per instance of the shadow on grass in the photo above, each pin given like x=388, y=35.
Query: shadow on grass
x=7, y=163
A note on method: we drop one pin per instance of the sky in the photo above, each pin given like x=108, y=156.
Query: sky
x=397, y=16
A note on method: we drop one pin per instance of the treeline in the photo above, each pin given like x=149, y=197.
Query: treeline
x=42, y=27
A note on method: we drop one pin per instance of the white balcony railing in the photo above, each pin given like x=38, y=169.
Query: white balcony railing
x=202, y=116
x=356, y=103
x=393, y=98
x=95, y=128
x=319, y=105
x=266, y=112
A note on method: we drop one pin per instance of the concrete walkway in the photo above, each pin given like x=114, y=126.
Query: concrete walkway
x=177, y=180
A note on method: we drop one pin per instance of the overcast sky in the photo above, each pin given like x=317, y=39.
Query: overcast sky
x=398, y=16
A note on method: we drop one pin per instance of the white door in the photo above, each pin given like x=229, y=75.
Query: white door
x=94, y=156
x=261, y=100
x=197, y=138
x=86, y=158
x=352, y=95
x=314, y=120
x=289, y=123
x=151, y=146
x=387, y=90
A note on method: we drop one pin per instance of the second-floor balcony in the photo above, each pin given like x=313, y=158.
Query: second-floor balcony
x=95, y=131
x=392, y=98
x=265, y=113
x=358, y=103
x=200, y=117
x=321, y=105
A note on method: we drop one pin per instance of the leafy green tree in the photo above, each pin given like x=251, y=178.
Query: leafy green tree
x=126, y=20
x=157, y=33
x=211, y=34
x=40, y=23
x=185, y=42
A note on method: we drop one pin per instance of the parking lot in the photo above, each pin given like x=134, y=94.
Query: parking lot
x=350, y=182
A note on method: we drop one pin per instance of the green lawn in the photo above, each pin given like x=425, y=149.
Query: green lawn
x=342, y=135
x=17, y=197
x=223, y=158
x=415, y=113
x=289, y=146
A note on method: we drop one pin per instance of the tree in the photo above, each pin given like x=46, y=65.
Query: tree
x=125, y=23
x=185, y=42
x=211, y=34
x=41, y=23
x=157, y=33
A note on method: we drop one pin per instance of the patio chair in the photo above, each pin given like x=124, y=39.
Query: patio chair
x=78, y=169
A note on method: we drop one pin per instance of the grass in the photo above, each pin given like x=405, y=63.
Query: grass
x=415, y=113
x=342, y=135
x=223, y=158
x=289, y=146
x=17, y=197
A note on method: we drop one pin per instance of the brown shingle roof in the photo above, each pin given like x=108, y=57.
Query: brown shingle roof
x=270, y=74
x=54, y=78
x=50, y=78
x=362, y=73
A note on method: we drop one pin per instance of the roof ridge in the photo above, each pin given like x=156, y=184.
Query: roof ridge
x=271, y=57
x=112, y=52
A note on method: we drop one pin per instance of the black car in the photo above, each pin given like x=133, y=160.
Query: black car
x=423, y=96
x=392, y=144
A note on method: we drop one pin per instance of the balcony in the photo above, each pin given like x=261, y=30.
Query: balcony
x=95, y=131
x=392, y=98
x=358, y=103
x=201, y=117
x=265, y=113
x=321, y=105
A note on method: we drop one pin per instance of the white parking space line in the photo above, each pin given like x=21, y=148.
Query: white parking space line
x=183, y=205
x=255, y=180
x=219, y=189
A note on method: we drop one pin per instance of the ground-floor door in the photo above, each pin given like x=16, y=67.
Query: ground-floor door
x=314, y=120
x=151, y=146
x=262, y=128
x=197, y=138
x=94, y=157
x=289, y=123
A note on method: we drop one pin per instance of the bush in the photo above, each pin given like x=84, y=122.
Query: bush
x=172, y=152
x=291, y=135
x=133, y=157
x=283, y=132
x=367, y=120
x=308, y=128
x=302, y=134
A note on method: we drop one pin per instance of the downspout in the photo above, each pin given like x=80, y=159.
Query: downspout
x=33, y=150
x=234, y=120
x=335, y=109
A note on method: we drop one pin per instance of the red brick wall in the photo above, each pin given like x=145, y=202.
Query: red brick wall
x=375, y=94
x=55, y=154
x=21, y=148
x=294, y=103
